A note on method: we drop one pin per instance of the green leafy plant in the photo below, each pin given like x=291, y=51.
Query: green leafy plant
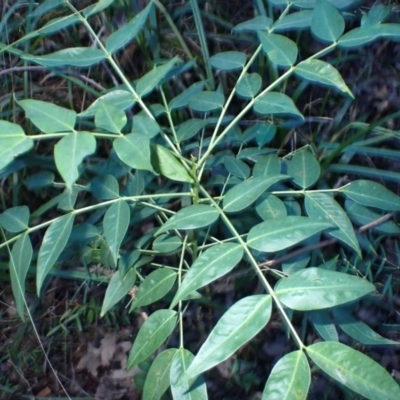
x=217, y=198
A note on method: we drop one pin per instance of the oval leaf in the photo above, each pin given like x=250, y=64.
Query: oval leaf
x=271, y=207
x=354, y=370
x=304, y=168
x=157, y=379
x=211, y=265
x=156, y=285
x=273, y=103
x=372, y=194
x=183, y=98
x=134, y=150
x=324, y=325
x=295, y=21
x=110, y=118
x=48, y=117
x=237, y=167
x=13, y=142
x=258, y=23
x=322, y=73
x=191, y=217
x=15, y=219
x=152, y=334
x=168, y=165
x=70, y=151
x=316, y=288
x=290, y=378
x=267, y=165
x=189, y=128
x=228, y=60
x=279, y=49
x=327, y=23
x=54, y=241
x=249, y=85
x=105, y=187
x=115, y=224
x=247, y=192
x=235, y=328
x=206, y=101
x=278, y=234
x=324, y=207
x=117, y=289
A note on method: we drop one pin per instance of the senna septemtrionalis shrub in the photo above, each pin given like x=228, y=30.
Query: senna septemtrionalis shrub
x=184, y=195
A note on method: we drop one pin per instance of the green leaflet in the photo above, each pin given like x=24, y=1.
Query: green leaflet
x=191, y=217
x=327, y=23
x=208, y=267
x=117, y=289
x=20, y=260
x=279, y=234
x=13, y=142
x=316, y=288
x=304, y=168
x=152, y=334
x=53, y=244
x=69, y=153
x=228, y=60
x=324, y=207
x=115, y=224
x=354, y=370
x=15, y=219
x=235, y=328
x=289, y=379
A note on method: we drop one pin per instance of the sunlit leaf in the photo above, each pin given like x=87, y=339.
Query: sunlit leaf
x=289, y=379
x=294, y=21
x=278, y=234
x=208, y=267
x=53, y=244
x=69, y=153
x=316, y=288
x=145, y=125
x=354, y=370
x=155, y=330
